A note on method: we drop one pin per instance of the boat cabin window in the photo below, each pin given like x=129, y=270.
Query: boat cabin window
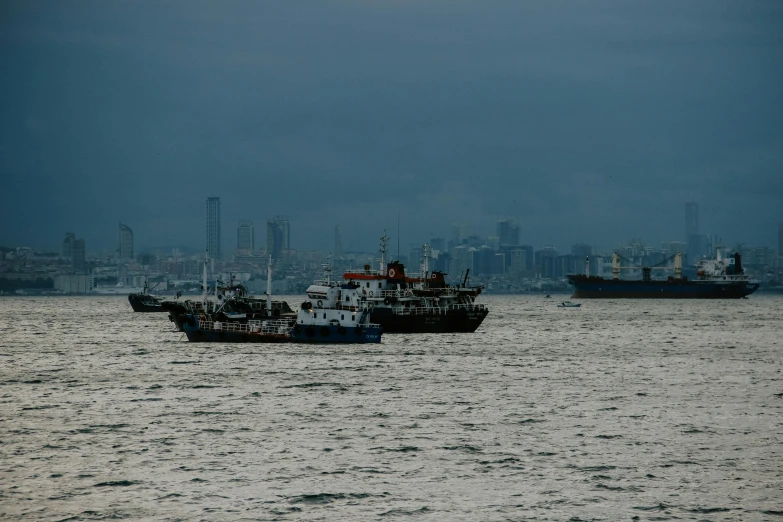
x=315, y=315
x=368, y=284
x=342, y=317
x=347, y=298
x=324, y=315
x=379, y=285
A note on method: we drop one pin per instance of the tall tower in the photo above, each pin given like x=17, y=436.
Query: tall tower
x=338, y=242
x=278, y=236
x=508, y=232
x=780, y=240
x=125, y=244
x=213, y=227
x=78, y=262
x=246, y=238
x=691, y=220
x=70, y=237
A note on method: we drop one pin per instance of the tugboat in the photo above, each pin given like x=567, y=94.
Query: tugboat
x=144, y=302
x=334, y=319
x=401, y=304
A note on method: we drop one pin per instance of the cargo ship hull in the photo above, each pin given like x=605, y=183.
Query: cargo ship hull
x=452, y=321
x=676, y=289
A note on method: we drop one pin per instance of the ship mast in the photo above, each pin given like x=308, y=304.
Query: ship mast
x=269, y=287
x=384, y=244
x=204, y=287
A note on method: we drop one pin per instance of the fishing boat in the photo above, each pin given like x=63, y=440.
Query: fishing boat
x=569, y=304
x=334, y=319
x=229, y=298
x=144, y=302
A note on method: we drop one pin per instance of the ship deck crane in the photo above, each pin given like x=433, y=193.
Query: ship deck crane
x=647, y=269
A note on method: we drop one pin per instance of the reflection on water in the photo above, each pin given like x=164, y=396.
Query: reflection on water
x=653, y=409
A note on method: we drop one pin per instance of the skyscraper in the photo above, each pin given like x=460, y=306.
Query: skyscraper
x=213, y=227
x=278, y=236
x=508, y=232
x=780, y=240
x=691, y=220
x=68, y=244
x=338, y=242
x=78, y=262
x=125, y=244
x=246, y=238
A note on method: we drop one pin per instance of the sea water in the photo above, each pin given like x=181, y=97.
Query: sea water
x=618, y=410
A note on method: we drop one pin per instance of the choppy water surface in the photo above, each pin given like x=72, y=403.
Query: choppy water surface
x=652, y=409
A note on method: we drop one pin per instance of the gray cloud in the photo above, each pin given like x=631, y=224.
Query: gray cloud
x=590, y=121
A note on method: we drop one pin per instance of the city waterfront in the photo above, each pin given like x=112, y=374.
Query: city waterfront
x=619, y=409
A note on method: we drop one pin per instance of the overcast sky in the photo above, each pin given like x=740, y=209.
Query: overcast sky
x=591, y=121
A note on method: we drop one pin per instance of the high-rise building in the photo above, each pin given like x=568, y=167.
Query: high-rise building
x=508, y=232
x=691, y=219
x=78, y=262
x=458, y=233
x=125, y=243
x=213, y=227
x=278, y=236
x=246, y=238
x=780, y=240
x=338, y=242
x=68, y=244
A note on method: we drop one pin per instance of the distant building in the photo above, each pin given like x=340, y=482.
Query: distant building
x=213, y=227
x=674, y=247
x=545, y=262
x=246, y=238
x=338, y=242
x=278, y=236
x=691, y=220
x=74, y=284
x=508, y=232
x=78, y=257
x=780, y=240
x=438, y=243
x=461, y=260
x=698, y=246
x=458, y=233
x=125, y=243
x=70, y=237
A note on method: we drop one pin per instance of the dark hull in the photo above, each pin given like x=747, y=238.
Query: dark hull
x=144, y=303
x=336, y=335
x=307, y=334
x=675, y=289
x=451, y=321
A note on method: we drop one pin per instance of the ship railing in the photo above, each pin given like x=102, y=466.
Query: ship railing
x=407, y=292
x=252, y=326
x=436, y=310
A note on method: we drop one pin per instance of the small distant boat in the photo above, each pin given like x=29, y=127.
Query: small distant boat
x=144, y=302
x=569, y=304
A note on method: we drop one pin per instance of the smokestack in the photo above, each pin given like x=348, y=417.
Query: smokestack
x=737, y=263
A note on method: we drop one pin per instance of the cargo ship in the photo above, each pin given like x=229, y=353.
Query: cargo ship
x=719, y=278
